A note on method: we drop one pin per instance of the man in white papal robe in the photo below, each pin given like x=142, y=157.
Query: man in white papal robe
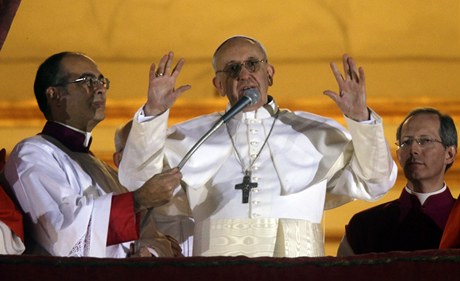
x=258, y=186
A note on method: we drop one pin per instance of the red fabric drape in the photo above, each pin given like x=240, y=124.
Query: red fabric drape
x=8, y=10
x=9, y=213
x=451, y=236
x=432, y=265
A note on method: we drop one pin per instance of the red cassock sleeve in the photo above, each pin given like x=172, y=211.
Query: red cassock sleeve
x=123, y=222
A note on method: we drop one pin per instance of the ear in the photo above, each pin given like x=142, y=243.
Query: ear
x=398, y=155
x=271, y=73
x=218, y=85
x=116, y=157
x=52, y=93
x=450, y=155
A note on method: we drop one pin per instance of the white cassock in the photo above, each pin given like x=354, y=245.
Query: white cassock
x=308, y=163
x=69, y=212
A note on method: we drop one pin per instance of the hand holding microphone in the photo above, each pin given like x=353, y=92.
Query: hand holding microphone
x=250, y=97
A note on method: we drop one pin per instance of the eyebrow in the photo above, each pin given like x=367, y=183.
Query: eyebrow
x=248, y=59
x=86, y=74
x=419, y=136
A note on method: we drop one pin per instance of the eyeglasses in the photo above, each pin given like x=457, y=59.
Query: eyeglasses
x=234, y=69
x=421, y=141
x=90, y=81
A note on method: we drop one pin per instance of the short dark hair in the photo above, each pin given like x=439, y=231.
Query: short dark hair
x=447, y=129
x=48, y=75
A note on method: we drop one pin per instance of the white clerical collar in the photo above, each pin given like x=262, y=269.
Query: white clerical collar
x=259, y=113
x=86, y=134
x=423, y=196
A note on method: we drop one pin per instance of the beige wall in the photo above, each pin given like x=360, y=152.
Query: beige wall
x=409, y=49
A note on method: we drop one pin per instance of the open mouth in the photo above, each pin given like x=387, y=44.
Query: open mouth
x=242, y=89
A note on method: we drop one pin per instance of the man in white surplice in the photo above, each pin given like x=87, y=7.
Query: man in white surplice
x=73, y=202
x=259, y=185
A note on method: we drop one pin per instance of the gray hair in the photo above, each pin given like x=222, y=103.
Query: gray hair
x=237, y=37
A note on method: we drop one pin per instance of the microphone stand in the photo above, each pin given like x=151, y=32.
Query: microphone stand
x=199, y=142
x=251, y=96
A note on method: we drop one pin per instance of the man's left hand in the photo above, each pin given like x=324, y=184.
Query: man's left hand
x=351, y=98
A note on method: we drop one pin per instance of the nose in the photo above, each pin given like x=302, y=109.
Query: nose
x=99, y=88
x=244, y=73
x=414, y=147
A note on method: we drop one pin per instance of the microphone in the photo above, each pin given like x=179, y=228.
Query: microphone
x=250, y=97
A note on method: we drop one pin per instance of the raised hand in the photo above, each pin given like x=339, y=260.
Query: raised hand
x=351, y=98
x=162, y=82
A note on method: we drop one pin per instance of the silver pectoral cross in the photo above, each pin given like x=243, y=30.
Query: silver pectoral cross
x=246, y=186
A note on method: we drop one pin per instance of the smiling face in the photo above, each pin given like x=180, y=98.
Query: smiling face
x=78, y=104
x=424, y=167
x=239, y=50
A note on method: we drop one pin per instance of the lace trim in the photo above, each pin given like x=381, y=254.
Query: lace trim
x=81, y=249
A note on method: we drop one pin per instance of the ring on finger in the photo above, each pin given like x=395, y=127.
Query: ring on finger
x=158, y=74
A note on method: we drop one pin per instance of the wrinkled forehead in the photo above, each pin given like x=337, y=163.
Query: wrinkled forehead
x=237, y=49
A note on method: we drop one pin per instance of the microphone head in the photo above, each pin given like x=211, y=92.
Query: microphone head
x=252, y=94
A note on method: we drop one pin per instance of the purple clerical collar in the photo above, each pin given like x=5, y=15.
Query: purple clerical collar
x=437, y=206
x=70, y=137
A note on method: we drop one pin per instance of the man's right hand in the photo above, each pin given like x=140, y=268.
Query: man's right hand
x=162, y=86
x=175, y=247
x=158, y=190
